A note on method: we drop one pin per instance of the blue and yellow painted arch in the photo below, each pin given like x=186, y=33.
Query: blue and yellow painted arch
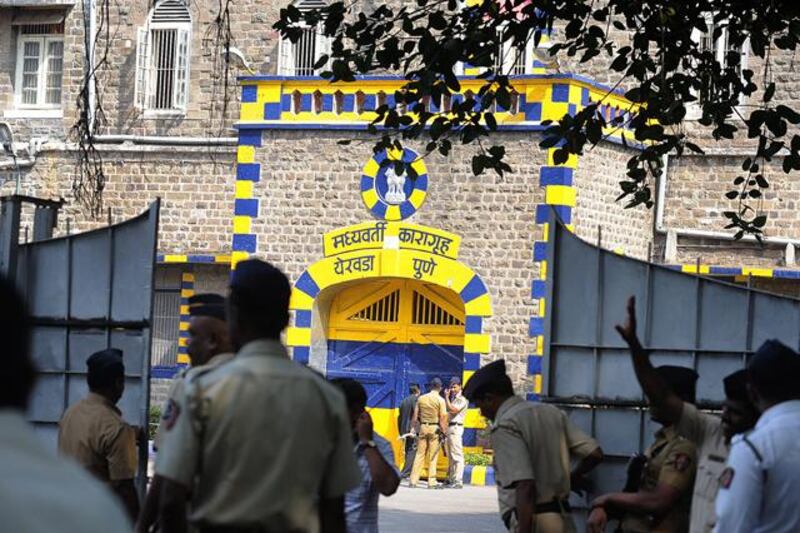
x=390, y=263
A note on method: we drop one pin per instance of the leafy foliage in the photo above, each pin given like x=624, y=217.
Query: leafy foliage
x=660, y=62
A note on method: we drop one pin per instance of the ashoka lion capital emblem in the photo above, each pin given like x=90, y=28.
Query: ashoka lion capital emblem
x=391, y=194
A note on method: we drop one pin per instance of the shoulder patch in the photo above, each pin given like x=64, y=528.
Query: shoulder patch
x=726, y=478
x=682, y=462
x=171, y=414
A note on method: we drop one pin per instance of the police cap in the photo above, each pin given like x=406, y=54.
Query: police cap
x=455, y=381
x=681, y=380
x=104, y=367
x=736, y=386
x=436, y=382
x=774, y=368
x=207, y=304
x=485, y=376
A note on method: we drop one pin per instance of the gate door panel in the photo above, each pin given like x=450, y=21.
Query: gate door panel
x=701, y=323
x=87, y=292
x=389, y=333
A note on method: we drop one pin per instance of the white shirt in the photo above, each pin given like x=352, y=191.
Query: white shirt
x=763, y=493
x=41, y=492
x=460, y=403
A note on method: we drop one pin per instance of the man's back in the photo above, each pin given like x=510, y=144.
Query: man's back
x=276, y=438
x=760, y=486
x=43, y=493
x=550, y=440
x=406, y=412
x=431, y=406
x=93, y=433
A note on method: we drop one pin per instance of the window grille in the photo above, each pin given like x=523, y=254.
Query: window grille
x=300, y=57
x=166, y=317
x=40, y=65
x=387, y=309
x=42, y=29
x=426, y=312
x=163, y=58
x=719, y=49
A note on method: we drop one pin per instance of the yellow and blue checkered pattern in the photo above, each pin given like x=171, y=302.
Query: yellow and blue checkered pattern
x=248, y=173
x=187, y=291
x=560, y=195
x=280, y=102
x=193, y=259
x=740, y=273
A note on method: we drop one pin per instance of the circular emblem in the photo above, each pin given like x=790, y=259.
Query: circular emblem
x=389, y=193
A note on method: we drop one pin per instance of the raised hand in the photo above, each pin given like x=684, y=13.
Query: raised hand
x=364, y=427
x=628, y=330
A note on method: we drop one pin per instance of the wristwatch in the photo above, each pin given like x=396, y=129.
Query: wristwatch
x=367, y=444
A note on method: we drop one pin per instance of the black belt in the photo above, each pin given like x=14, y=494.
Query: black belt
x=456, y=424
x=554, y=506
x=430, y=423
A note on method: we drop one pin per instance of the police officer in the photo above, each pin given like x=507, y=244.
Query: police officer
x=431, y=414
x=456, y=412
x=208, y=346
x=40, y=492
x=405, y=426
x=711, y=434
x=533, y=445
x=759, y=487
x=665, y=493
x=259, y=443
x=93, y=433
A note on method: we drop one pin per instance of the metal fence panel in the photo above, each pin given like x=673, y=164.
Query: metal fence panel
x=686, y=320
x=88, y=292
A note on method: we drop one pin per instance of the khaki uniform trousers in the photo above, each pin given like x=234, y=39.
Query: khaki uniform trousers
x=455, y=454
x=427, y=453
x=547, y=523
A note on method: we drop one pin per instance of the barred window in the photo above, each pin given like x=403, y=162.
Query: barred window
x=300, y=58
x=162, y=58
x=40, y=65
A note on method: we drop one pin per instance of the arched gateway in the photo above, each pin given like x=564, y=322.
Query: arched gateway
x=390, y=305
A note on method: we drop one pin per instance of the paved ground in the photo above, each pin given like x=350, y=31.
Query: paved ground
x=469, y=510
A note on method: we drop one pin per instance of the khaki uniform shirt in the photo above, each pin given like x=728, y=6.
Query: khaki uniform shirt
x=535, y=441
x=671, y=460
x=42, y=492
x=460, y=403
x=176, y=390
x=259, y=440
x=431, y=406
x=712, y=451
x=93, y=433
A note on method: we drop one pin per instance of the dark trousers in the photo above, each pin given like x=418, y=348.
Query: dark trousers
x=411, y=451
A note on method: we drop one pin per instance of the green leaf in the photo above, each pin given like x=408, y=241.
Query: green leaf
x=760, y=221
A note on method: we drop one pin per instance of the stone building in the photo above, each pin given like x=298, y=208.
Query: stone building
x=396, y=279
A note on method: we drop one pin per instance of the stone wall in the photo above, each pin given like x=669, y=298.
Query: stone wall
x=310, y=185
x=695, y=199
x=599, y=172
x=196, y=189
